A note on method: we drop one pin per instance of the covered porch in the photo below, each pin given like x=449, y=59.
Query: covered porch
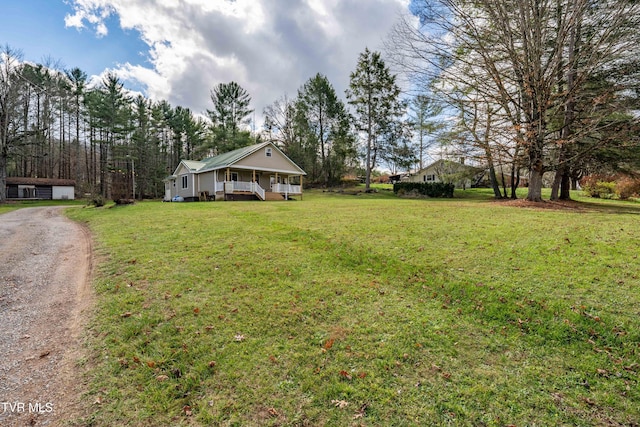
x=264, y=185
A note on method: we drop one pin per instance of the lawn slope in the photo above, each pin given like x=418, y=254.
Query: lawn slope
x=364, y=310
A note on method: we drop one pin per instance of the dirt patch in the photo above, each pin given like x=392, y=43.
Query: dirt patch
x=45, y=299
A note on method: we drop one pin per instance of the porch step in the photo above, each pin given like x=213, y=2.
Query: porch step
x=271, y=196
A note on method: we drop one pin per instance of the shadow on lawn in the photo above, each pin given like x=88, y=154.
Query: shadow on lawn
x=575, y=206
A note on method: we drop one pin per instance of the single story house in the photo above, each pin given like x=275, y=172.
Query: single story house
x=40, y=188
x=459, y=174
x=257, y=172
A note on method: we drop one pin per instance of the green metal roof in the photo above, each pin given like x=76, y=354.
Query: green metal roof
x=227, y=159
x=193, y=164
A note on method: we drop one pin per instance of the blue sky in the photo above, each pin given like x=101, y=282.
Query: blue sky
x=37, y=28
x=177, y=50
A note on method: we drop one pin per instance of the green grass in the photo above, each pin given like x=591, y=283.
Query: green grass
x=364, y=310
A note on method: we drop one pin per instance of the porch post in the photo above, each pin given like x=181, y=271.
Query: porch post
x=301, y=192
x=254, y=175
x=228, y=175
x=215, y=184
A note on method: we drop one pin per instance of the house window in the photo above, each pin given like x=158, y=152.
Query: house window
x=267, y=152
x=185, y=181
x=234, y=176
x=430, y=177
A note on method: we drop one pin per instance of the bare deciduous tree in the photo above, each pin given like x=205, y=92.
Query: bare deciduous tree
x=529, y=59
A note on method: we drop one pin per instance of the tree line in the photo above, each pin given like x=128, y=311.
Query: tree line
x=527, y=88
x=55, y=124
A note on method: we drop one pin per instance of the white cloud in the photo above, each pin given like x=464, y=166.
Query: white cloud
x=270, y=47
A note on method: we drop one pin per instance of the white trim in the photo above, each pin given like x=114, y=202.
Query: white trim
x=253, y=168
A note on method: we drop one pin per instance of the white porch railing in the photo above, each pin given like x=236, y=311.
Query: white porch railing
x=286, y=188
x=258, y=190
x=249, y=187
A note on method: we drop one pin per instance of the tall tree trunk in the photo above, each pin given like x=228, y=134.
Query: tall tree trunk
x=3, y=169
x=487, y=151
x=535, y=183
x=565, y=186
x=535, y=144
x=555, y=186
x=494, y=180
x=515, y=175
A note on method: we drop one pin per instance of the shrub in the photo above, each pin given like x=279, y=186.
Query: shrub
x=436, y=189
x=606, y=189
x=627, y=187
x=589, y=184
x=97, y=201
x=609, y=186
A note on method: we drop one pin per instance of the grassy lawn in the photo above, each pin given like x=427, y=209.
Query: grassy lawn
x=365, y=309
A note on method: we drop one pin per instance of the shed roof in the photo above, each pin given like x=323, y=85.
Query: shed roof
x=17, y=180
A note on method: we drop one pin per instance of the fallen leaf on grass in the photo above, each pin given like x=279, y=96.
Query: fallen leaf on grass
x=340, y=403
x=187, y=410
x=345, y=374
x=273, y=412
x=162, y=378
x=361, y=411
x=127, y=314
x=239, y=338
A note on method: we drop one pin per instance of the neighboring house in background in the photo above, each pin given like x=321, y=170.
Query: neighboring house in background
x=260, y=171
x=459, y=174
x=40, y=188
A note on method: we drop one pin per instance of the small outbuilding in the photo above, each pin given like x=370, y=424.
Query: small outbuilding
x=23, y=188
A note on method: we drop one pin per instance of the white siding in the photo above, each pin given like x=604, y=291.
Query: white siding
x=62, y=193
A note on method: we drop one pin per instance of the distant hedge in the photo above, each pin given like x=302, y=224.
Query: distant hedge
x=435, y=189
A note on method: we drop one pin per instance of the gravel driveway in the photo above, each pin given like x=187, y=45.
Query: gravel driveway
x=45, y=267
